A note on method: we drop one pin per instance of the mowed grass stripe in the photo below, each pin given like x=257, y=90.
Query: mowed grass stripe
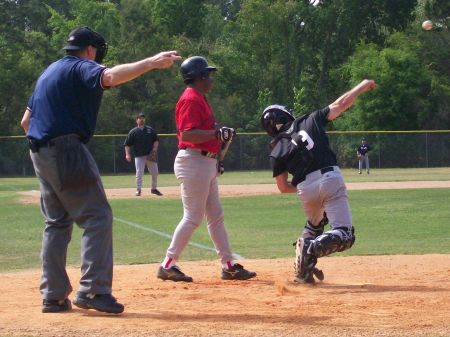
x=386, y=222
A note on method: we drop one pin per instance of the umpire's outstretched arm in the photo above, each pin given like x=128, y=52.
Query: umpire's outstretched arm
x=126, y=72
x=344, y=102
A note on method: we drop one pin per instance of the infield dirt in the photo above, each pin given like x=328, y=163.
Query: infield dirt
x=362, y=296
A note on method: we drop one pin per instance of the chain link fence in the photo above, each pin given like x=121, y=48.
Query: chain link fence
x=249, y=151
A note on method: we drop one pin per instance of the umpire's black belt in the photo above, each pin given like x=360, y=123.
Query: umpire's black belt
x=35, y=145
x=202, y=152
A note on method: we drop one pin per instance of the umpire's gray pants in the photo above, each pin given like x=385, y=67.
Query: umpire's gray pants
x=85, y=204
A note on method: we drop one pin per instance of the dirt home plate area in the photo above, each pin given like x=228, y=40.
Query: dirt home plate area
x=400, y=295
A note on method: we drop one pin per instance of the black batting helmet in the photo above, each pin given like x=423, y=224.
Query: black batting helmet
x=195, y=67
x=274, y=118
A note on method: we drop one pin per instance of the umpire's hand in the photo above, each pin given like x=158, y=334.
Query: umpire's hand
x=164, y=59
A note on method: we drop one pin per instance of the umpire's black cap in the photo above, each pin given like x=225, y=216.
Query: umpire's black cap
x=82, y=37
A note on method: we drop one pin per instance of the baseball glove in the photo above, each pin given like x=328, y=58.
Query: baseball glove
x=153, y=156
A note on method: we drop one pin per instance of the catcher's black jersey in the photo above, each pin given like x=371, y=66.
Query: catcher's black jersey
x=304, y=147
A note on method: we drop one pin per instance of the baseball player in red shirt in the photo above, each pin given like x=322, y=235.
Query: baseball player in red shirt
x=196, y=167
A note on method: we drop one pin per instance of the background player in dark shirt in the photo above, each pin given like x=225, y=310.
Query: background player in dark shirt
x=362, y=153
x=301, y=147
x=144, y=141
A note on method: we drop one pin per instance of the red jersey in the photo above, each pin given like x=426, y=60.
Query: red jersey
x=193, y=112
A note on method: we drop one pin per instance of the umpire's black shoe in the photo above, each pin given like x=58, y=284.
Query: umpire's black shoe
x=155, y=191
x=100, y=302
x=172, y=274
x=237, y=272
x=56, y=306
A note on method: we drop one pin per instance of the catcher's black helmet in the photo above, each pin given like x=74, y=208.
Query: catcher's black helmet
x=195, y=67
x=274, y=118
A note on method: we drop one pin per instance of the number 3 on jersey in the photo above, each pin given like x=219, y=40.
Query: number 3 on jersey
x=305, y=138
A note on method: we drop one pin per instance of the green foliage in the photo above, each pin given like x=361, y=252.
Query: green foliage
x=401, y=84
x=287, y=52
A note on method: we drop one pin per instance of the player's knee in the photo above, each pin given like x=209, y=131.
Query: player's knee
x=191, y=222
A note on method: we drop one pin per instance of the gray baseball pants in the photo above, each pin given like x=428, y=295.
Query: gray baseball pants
x=200, y=195
x=365, y=159
x=140, y=163
x=325, y=192
x=72, y=192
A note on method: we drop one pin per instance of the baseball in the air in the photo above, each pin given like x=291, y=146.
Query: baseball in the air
x=427, y=25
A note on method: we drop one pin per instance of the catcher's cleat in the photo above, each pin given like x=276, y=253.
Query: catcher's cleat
x=56, y=305
x=237, y=272
x=305, y=263
x=100, y=302
x=318, y=273
x=309, y=279
x=172, y=274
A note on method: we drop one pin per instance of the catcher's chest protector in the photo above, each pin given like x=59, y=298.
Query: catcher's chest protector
x=292, y=152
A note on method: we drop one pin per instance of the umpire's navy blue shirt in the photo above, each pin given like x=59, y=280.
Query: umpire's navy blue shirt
x=66, y=100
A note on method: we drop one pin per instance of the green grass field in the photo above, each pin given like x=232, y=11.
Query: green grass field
x=386, y=222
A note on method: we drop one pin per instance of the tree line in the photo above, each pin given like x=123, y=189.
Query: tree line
x=300, y=53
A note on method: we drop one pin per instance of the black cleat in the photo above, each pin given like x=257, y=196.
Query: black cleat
x=100, y=302
x=305, y=264
x=155, y=191
x=56, y=305
x=237, y=272
x=172, y=274
x=138, y=193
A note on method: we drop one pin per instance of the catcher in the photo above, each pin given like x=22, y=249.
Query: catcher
x=300, y=147
x=145, y=142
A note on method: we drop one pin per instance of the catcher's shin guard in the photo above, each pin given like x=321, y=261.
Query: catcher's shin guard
x=307, y=251
x=336, y=240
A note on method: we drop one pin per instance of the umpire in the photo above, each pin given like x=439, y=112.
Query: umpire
x=59, y=120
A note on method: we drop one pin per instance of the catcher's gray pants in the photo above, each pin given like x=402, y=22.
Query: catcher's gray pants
x=152, y=167
x=364, y=159
x=80, y=199
x=200, y=195
x=325, y=191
